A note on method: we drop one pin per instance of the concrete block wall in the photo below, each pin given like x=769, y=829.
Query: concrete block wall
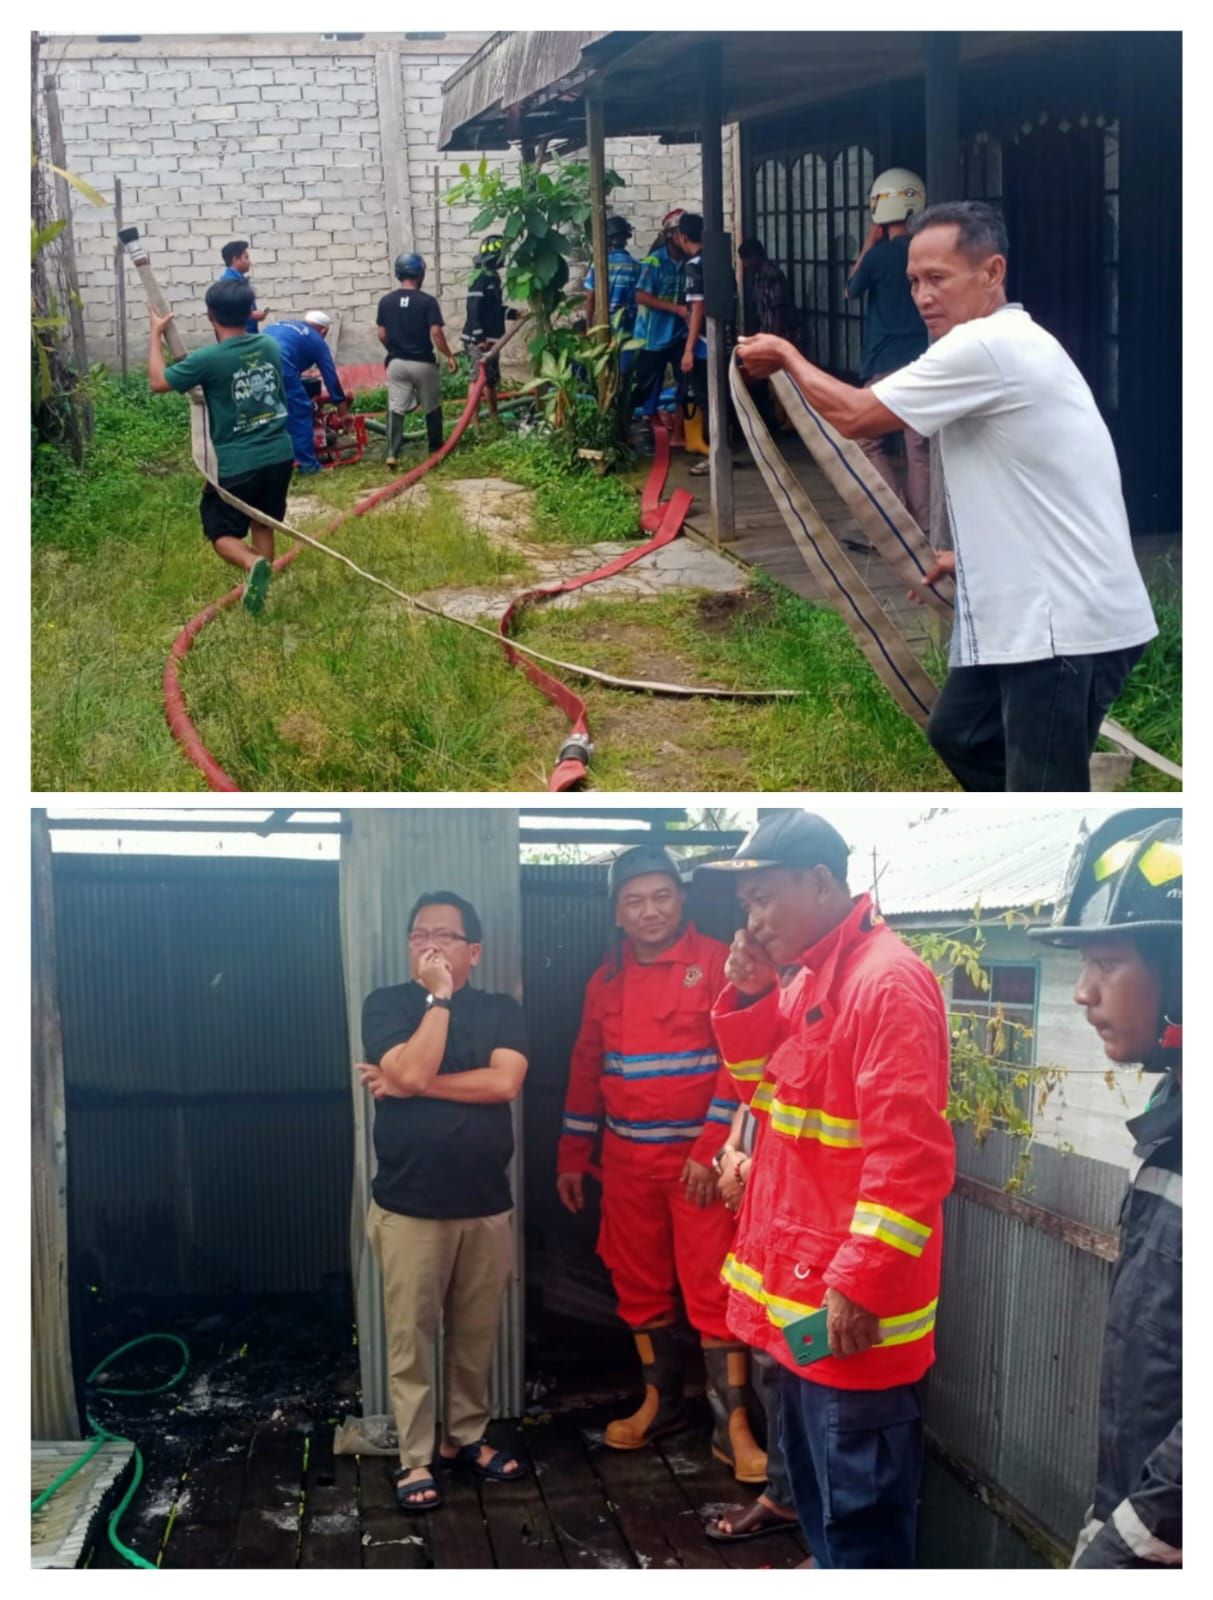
x=323, y=154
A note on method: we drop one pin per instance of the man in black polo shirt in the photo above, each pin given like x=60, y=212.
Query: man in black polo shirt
x=443, y=1063
x=410, y=330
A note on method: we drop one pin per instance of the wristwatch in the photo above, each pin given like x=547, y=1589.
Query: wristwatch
x=434, y=1001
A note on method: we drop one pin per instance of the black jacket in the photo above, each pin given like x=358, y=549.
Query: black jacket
x=1137, y=1517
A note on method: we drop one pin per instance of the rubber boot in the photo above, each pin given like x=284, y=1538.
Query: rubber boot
x=395, y=436
x=728, y=1368
x=433, y=429
x=661, y=1410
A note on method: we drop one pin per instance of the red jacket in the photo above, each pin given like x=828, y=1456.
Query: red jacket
x=847, y=1069
x=646, y=1063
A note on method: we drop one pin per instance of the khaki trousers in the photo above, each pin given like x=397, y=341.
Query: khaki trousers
x=449, y=1273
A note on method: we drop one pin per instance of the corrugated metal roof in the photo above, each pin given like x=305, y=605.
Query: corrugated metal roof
x=957, y=860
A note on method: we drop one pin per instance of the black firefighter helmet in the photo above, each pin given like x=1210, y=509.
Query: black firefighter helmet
x=1127, y=877
x=492, y=248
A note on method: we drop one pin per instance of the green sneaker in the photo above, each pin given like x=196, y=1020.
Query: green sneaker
x=257, y=587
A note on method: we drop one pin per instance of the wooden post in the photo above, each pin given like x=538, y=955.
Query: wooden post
x=397, y=190
x=711, y=134
x=53, y=1412
x=942, y=97
x=595, y=146
x=63, y=199
x=120, y=285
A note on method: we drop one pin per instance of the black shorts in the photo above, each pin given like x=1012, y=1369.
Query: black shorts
x=265, y=489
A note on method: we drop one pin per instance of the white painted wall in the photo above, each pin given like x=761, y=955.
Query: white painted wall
x=323, y=154
x=1086, y=1112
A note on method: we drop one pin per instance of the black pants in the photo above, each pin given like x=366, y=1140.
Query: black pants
x=648, y=371
x=854, y=1459
x=1030, y=726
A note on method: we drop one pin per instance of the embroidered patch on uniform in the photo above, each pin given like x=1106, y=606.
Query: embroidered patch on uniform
x=692, y=976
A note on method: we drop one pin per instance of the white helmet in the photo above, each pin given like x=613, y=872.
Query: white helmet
x=318, y=319
x=896, y=194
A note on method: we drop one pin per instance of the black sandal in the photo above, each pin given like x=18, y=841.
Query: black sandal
x=418, y=1486
x=467, y=1457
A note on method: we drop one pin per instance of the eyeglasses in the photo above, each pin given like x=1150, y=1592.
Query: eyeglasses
x=439, y=936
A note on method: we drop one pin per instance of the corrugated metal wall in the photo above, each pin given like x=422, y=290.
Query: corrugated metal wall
x=388, y=859
x=210, y=1131
x=1015, y=1388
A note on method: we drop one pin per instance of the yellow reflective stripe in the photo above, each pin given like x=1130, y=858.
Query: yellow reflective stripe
x=808, y=1122
x=1161, y=863
x=1113, y=858
x=890, y=1227
x=746, y=1071
x=901, y=1329
x=761, y=1100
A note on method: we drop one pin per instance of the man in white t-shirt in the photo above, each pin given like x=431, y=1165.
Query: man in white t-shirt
x=1051, y=611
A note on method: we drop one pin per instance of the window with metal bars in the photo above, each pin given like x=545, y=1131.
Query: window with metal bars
x=811, y=214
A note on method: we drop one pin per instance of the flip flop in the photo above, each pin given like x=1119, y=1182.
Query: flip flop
x=755, y=1521
x=418, y=1486
x=257, y=586
x=467, y=1458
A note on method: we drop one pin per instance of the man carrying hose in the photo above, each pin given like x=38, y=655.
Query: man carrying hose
x=241, y=379
x=410, y=330
x=1051, y=611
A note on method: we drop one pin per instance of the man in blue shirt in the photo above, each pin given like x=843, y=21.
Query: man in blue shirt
x=694, y=363
x=236, y=266
x=302, y=346
x=893, y=332
x=623, y=270
x=661, y=319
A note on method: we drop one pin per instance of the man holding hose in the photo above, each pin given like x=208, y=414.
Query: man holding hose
x=1051, y=610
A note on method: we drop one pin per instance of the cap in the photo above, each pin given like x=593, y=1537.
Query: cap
x=789, y=839
x=318, y=319
x=671, y=219
x=638, y=862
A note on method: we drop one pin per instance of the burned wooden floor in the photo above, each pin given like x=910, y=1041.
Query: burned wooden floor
x=240, y=1472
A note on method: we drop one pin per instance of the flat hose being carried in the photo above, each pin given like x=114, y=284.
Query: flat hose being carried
x=892, y=531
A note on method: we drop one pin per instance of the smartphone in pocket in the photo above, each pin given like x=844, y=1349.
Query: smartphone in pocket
x=808, y=1338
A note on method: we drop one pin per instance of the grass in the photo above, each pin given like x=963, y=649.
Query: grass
x=1151, y=702
x=339, y=687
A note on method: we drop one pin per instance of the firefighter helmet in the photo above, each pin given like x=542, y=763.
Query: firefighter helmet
x=618, y=228
x=669, y=223
x=492, y=248
x=641, y=860
x=410, y=265
x=1126, y=878
x=895, y=194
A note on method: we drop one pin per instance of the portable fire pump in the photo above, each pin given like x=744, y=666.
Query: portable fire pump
x=340, y=441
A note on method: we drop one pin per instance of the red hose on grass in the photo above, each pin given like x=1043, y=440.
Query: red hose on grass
x=664, y=521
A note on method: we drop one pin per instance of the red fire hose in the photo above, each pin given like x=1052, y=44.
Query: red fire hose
x=664, y=521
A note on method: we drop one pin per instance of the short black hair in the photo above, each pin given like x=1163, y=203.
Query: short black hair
x=445, y=897
x=752, y=250
x=981, y=230
x=230, y=302
x=691, y=223
x=231, y=251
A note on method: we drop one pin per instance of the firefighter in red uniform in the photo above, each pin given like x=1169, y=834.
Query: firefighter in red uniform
x=845, y=1063
x=646, y=1062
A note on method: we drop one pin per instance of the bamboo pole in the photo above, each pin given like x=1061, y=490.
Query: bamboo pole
x=596, y=149
x=120, y=281
x=54, y=127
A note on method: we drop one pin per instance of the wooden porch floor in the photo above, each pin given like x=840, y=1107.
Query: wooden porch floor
x=240, y=1472
x=763, y=542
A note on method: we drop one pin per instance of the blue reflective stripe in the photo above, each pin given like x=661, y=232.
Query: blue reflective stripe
x=670, y=1064
x=655, y=1132
x=722, y=1110
x=587, y=1127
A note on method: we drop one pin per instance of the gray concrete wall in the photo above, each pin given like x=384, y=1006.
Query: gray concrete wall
x=322, y=153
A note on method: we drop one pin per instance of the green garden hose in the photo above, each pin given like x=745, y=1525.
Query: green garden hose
x=102, y=1436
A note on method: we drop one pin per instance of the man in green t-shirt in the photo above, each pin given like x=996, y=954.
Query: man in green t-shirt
x=241, y=380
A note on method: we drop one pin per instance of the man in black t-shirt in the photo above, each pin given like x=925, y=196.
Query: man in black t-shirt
x=444, y=1061
x=487, y=315
x=410, y=330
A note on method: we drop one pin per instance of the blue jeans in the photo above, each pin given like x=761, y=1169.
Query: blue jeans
x=765, y=1371
x=854, y=1458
